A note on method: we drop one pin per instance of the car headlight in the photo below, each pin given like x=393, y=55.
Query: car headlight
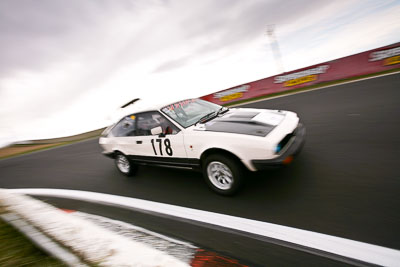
x=278, y=148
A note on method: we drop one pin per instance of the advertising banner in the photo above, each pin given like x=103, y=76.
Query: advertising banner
x=377, y=60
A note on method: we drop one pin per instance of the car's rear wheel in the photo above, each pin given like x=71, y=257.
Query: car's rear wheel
x=223, y=174
x=124, y=165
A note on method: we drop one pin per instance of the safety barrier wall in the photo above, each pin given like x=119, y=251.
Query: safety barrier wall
x=373, y=61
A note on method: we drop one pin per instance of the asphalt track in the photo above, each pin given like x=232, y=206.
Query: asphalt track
x=345, y=182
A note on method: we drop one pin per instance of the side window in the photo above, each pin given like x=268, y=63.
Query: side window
x=149, y=120
x=126, y=127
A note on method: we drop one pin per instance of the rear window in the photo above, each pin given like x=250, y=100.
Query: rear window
x=126, y=127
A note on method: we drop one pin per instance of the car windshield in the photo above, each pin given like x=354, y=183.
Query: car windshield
x=191, y=111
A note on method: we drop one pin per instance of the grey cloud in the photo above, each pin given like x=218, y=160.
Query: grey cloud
x=228, y=25
x=34, y=34
x=30, y=33
x=38, y=35
x=172, y=64
x=240, y=22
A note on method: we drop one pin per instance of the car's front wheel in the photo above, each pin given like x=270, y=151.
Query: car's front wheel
x=223, y=174
x=124, y=165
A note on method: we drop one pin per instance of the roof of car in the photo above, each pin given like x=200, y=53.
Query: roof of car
x=142, y=106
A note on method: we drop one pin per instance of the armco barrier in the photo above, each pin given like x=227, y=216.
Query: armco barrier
x=373, y=61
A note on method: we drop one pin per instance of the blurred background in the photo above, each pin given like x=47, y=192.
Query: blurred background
x=66, y=66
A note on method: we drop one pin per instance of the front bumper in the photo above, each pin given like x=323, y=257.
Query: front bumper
x=294, y=146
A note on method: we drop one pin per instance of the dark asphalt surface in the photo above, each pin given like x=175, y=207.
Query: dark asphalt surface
x=345, y=182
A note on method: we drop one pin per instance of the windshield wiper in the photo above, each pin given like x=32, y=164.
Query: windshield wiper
x=210, y=115
x=207, y=117
x=222, y=111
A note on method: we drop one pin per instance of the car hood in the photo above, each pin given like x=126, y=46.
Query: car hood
x=257, y=122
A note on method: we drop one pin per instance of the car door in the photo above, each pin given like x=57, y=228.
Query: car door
x=167, y=147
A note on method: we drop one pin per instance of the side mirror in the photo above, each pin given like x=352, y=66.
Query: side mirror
x=156, y=131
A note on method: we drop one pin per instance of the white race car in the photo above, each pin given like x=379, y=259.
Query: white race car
x=199, y=135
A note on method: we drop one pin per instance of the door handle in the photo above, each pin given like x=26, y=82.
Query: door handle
x=139, y=142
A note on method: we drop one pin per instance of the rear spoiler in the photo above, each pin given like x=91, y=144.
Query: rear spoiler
x=130, y=102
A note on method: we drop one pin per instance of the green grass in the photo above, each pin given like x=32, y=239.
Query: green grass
x=17, y=250
x=32, y=150
x=319, y=85
x=41, y=148
x=61, y=141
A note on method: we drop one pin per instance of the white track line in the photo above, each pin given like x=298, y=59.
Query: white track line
x=127, y=226
x=183, y=251
x=336, y=245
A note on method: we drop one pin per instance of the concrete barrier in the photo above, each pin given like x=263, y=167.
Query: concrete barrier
x=369, y=62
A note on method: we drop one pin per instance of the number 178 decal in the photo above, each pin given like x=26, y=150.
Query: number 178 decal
x=167, y=144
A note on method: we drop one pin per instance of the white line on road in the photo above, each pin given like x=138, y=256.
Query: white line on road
x=181, y=250
x=336, y=245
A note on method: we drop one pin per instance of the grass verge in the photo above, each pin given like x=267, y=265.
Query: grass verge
x=17, y=250
x=17, y=150
x=37, y=145
x=315, y=86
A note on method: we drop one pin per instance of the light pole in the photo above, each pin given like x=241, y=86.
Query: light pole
x=275, y=48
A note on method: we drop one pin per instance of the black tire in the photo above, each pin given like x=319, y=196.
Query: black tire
x=216, y=170
x=124, y=165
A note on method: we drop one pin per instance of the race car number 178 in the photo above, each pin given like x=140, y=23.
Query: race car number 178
x=167, y=145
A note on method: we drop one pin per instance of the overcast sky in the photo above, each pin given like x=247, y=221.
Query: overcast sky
x=66, y=66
